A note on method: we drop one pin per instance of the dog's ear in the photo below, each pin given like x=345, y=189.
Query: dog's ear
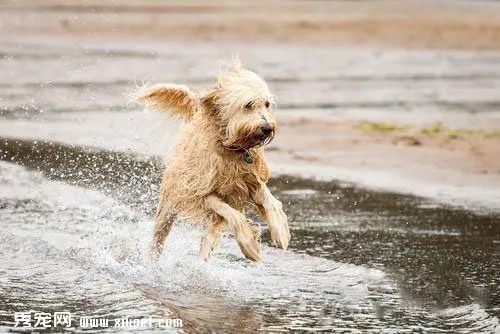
x=178, y=99
x=209, y=101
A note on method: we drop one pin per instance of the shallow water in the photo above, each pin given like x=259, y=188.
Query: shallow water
x=61, y=75
x=79, y=226
x=76, y=220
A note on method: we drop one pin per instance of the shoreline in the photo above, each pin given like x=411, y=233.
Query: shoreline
x=457, y=187
x=469, y=197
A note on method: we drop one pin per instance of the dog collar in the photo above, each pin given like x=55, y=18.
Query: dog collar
x=247, y=157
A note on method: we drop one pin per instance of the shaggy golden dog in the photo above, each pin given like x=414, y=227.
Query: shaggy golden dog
x=218, y=166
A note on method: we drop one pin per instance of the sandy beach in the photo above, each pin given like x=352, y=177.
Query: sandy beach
x=409, y=24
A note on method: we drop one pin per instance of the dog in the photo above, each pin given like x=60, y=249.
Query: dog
x=217, y=167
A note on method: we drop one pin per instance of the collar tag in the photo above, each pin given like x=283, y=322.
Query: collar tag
x=247, y=157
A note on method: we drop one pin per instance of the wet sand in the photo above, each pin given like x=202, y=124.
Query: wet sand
x=440, y=165
x=409, y=24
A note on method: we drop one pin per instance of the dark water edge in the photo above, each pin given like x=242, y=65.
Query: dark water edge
x=440, y=256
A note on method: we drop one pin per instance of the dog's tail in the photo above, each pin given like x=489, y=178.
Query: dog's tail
x=176, y=99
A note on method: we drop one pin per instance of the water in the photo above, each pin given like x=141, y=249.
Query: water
x=358, y=259
x=59, y=75
x=77, y=198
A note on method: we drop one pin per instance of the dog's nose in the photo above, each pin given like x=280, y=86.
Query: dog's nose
x=266, y=129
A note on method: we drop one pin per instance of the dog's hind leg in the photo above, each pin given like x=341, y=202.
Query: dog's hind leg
x=165, y=217
x=246, y=236
x=209, y=242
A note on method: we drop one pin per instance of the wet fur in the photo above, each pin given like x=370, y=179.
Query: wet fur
x=207, y=179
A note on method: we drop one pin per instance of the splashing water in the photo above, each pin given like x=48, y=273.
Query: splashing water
x=67, y=247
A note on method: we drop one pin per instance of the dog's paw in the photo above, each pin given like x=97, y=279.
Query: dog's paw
x=205, y=248
x=154, y=252
x=278, y=226
x=207, y=245
x=250, y=248
x=249, y=242
x=280, y=234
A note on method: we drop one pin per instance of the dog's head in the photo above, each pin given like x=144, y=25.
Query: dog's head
x=242, y=108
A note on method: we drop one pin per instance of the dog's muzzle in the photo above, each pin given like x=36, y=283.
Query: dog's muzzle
x=266, y=129
x=266, y=133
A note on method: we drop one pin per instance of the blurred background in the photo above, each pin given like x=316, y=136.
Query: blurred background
x=386, y=157
x=409, y=88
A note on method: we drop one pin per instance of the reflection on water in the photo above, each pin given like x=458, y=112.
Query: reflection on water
x=439, y=255
x=358, y=259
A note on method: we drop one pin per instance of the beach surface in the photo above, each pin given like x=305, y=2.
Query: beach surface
x=409, y=24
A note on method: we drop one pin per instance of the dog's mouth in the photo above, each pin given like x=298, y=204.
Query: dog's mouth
x=255, y=141
x=265, y=139
x=259, y=140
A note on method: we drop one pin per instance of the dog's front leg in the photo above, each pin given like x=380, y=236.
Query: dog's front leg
x=271, y=211
x=245, y=235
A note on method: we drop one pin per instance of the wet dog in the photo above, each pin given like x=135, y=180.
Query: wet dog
x=218, y=168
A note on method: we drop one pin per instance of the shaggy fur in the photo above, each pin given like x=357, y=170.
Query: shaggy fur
x=218, y=165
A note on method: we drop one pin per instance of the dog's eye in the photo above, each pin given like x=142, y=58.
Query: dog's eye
x=248, y=106
x=267, y=104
